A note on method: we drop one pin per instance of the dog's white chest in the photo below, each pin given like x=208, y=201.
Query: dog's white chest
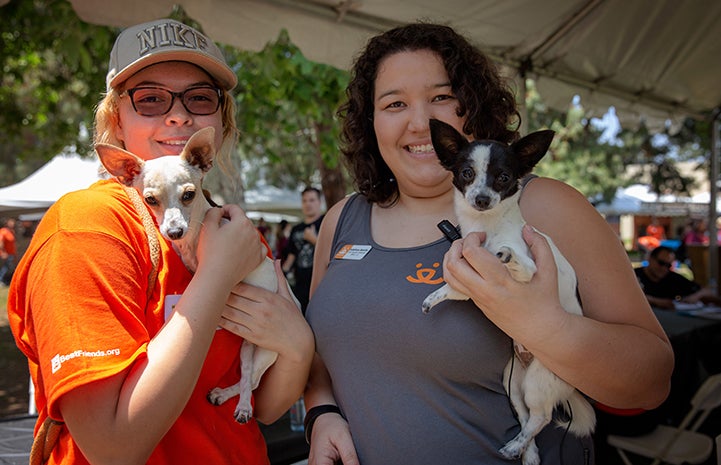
x=503, y=225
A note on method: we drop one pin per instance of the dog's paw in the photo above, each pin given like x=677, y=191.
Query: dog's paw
x=521, y=267
x=505, y=254
x=427, y=305
x=433, y=298
x=243, y=415
x=514, y=448
x=218, y=396
x=517, y=448
x=510, y=453
x=531, y=455
x=445, y=292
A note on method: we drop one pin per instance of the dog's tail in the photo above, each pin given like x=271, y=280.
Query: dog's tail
x=581, y=417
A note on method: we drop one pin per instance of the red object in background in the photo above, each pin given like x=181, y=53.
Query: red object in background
x=649, y=242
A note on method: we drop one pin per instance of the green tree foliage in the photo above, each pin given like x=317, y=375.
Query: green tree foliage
x=53, y=73
x=657, y=154
x=576, y=156
x=286, y=114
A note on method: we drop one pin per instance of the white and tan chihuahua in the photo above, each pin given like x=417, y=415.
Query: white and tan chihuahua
x=487, y=176
x=172, y=188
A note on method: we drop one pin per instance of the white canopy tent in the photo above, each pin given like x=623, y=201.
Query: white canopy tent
x=64, y=173
x=638, y=199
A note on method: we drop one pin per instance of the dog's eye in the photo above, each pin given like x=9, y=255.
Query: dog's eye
x=150, y=200
x=468, y=174
x=504, y=178
x=188, y=196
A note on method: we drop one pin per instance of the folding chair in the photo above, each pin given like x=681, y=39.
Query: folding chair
x=681, y=444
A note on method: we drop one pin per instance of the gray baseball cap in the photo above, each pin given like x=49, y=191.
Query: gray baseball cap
x=149, y=43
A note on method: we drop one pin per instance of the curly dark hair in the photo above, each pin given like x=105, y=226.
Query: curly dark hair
x=484, y=98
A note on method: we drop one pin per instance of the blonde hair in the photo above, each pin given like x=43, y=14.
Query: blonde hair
x=107, y=120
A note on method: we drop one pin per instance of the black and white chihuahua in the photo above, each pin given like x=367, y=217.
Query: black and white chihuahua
x=487, y=176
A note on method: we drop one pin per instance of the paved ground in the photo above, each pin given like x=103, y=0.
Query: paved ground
x=16, y=437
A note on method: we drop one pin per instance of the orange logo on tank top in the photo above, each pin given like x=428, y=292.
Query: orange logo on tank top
x=425, y=275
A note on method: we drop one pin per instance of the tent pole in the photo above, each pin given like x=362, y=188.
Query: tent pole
x=713, y=239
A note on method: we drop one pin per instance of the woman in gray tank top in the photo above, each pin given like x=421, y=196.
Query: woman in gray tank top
x=391, y=385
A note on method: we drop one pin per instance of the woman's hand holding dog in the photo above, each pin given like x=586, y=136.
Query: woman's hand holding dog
x=273, y=321
x=267, y=319
x=229, y=246
x=521, y=310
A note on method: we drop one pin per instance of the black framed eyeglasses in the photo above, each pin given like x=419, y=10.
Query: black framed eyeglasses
x=664, y=263
x=156, y=101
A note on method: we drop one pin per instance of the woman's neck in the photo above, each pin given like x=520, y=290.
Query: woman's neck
x=412, y=220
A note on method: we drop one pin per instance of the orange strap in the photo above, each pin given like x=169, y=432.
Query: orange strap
x=45, y=440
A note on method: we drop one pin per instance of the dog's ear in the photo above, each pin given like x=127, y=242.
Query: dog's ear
x=531, y=148
x=200, y=149
x=447, y=142
x=120, y=163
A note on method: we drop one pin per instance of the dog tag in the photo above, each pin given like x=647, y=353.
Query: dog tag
x=352, y=252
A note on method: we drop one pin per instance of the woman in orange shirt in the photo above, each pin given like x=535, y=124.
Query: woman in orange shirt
x=125, y=362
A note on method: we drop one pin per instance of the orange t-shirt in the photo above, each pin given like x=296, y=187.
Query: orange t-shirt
x=656, y=230
x=79, y=311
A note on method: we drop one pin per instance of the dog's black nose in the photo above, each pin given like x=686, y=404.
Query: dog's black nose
x=482, y=202
x=175, y=233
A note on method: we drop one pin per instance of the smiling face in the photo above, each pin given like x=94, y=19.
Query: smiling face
x=411, y=88
x=151, y=137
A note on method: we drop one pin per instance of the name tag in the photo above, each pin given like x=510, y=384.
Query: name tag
x=352, y=252
x=170, y=302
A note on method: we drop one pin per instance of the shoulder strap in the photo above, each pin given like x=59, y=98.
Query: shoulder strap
x=49, y=432
x=153, y=242
x=44, y=441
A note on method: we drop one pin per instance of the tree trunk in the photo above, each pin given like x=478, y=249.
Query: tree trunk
x=332, y=183
x=332, y=180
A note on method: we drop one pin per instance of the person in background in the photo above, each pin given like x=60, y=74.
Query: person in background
x=301, y=245
x=664, y=287
x=8, y=249
x=653, y=236
x=282, y=233
x=697, y=234
x=390, y=384
x=680, y=251
x=123, y=353
x=263, y=228
x=655, y=229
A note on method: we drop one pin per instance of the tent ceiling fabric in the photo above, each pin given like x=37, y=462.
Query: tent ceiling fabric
x=652, y=59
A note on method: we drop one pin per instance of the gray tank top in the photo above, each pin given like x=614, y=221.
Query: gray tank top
x=416, y=389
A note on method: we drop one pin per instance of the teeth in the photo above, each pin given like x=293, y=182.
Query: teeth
x=420, y=148
x=175, y=142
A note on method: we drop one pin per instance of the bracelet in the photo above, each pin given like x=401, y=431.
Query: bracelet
x=312, y=415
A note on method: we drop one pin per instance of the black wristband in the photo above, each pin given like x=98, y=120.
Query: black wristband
x=313, y=415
